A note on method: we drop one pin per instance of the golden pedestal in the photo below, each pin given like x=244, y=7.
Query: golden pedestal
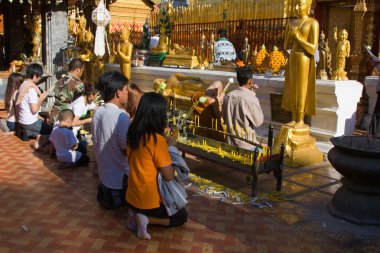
x=300, y=148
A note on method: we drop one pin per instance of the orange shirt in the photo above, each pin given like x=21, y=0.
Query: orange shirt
x=144, y=162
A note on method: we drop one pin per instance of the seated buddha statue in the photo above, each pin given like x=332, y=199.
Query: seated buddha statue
x=163, y=43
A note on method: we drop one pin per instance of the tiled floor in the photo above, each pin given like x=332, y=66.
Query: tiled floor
x=44, y=209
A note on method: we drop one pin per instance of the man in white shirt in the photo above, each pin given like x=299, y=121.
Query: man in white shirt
x=28, y=105
x=109, y=135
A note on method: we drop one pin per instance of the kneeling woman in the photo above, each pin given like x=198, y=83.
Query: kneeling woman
x=148, y=155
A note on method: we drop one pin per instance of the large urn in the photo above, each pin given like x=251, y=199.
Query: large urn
x=357, y=158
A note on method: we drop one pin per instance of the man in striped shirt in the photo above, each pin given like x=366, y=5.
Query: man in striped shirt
x=223, y=48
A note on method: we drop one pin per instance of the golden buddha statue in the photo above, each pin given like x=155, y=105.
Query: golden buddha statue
x=211, y=53
x=82, y=31
x=202, y=51
x=246, y=51
x=163, y=43
x=124, y=51
x=301, y=36
x=342, y=52
x=322, y=63
x=85, y=55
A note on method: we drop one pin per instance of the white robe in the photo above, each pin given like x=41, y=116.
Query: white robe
x=242, y=114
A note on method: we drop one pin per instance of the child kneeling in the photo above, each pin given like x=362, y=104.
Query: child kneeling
x=65, y=143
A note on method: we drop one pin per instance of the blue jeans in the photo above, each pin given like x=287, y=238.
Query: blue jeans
x=11, y=126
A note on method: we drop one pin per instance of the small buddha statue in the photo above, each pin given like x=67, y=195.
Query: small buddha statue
x=342, y=52
x=82, y=31
x=85, y=55
x=124, y=51
x=202, y=50
x=246, y=51
x=163, y=43
x=211, y=51
x=322, y=63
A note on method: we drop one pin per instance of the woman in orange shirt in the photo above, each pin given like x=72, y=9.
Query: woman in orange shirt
x=148, y=155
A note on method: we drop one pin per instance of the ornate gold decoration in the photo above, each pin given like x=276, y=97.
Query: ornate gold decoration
x=357, y=71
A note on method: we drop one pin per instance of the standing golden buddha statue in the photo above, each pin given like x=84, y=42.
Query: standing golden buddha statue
x=246, y=51
x=342, y=52
x=202, y=52
x=301, y=37
x=124, y=51
x=211, y=51
x=322, y=63
x=81, y=31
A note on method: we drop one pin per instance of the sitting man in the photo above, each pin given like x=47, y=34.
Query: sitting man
x=28, y=105
x=109, y=135
x=224, y=50
x=67, y=88
x=241, y=111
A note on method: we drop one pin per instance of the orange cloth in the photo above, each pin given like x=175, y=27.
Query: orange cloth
x=144, y=162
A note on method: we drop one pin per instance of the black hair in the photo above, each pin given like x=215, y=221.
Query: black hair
x=34, y=69
x=14, y=83
x=66, y=114
x=89, y=89
x=109, y=83
x=150, y=119
x=244, y=74
x=222, y=33
x=75, y=64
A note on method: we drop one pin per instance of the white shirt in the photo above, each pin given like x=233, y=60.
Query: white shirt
x=63, y=140
x=80, y=108
x=11, y=112
x=109, y=135
x=26, y=117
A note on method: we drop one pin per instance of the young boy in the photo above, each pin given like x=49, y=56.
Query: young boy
x=65, y=143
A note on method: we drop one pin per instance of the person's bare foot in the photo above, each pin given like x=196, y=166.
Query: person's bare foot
x=142, y=224
x=36, y=145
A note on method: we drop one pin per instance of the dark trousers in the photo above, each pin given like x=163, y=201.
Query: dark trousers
x=112, y=198
x=178, y=219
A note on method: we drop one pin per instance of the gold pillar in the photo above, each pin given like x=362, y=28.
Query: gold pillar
x=357, y=55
